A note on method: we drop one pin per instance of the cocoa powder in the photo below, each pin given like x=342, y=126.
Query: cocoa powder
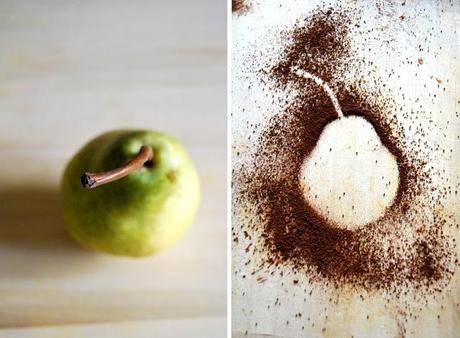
x=239, y=6
x=291, y=232
x=317, y=44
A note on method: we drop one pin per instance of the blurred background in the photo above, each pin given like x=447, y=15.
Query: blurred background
x=69, y=71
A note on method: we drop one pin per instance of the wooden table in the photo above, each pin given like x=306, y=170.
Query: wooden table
x=69, y=71
x=410, y=52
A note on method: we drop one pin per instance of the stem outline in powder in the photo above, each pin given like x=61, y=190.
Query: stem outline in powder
x=307, y=75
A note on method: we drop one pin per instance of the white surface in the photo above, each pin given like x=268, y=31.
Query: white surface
x=69, y=71
x=366, y=183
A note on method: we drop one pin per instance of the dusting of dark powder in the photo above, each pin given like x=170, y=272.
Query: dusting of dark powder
x=291, y=232
x=316, y=45
x=239, y=7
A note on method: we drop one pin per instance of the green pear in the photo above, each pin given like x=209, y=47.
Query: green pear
x=144, y=203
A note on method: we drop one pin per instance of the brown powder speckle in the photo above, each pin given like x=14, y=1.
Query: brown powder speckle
x=316, y=45
x=240, y=7
x=291, y=232
x=261, y=279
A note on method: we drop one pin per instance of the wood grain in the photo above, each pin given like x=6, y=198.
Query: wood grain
x=205, y=327
x=68, y=72
x=408, y=54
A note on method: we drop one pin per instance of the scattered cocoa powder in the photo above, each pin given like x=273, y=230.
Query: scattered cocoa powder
x=261, y=279
x=291, y=232
x=316, y=45
x=239, y=6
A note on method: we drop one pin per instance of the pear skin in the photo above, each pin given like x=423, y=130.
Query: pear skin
x=140, y=214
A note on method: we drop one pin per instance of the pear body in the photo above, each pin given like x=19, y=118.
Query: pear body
x=350, y=177
x=140, y=214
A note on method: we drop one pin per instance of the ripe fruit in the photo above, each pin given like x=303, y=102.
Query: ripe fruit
x=138, y=209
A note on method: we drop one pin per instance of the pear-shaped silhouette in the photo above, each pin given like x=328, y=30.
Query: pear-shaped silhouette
x=350, y=177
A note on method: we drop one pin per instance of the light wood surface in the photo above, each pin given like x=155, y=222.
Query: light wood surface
x=206, y=327
x=411, y=47
x=69, y=71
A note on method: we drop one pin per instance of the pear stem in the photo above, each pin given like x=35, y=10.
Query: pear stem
x=318, y=81
x=93, y=180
